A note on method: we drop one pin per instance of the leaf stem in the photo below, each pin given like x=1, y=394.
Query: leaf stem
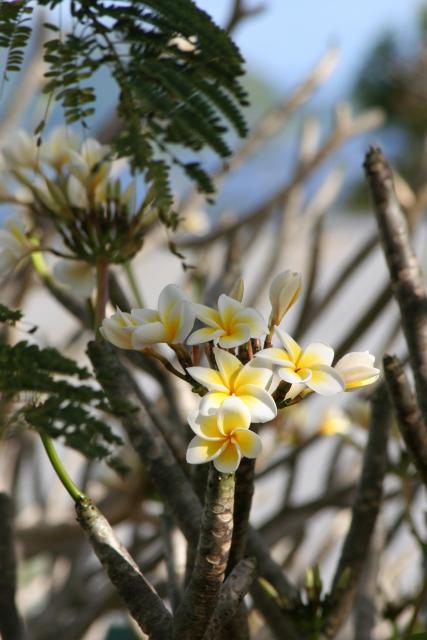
x=101, y=290
x=60, y=470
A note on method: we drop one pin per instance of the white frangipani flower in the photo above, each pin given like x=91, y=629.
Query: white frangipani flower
x=357, y=369
x=57, y=149
x=90, y=165
x=232, y=325
x=248, y=383
x=310, y=367
x=223, y=437
x=118, y=329
x=14, y=246
x=171, y=322
x=284, y=292
x=22, y=151
x=76, y=193
x=77, y=275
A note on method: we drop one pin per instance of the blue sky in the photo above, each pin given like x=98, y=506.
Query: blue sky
x=286, y=40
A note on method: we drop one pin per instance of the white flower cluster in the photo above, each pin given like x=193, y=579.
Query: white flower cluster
x=238, y=383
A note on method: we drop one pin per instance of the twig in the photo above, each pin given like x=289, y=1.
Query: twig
x=216, y=530
x=231, y=595
x=11, y=626
x=364, y=514
x=408, y=416
x=365, y=602
x=240, y=12
x=174, y=594
x=346, y=128
x=140, y=598
x=405, y=274
x=313, y=271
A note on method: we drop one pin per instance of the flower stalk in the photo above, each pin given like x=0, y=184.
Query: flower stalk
x=60, y=470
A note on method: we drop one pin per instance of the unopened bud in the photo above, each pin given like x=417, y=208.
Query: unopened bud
x=284, y=292
x=237, y=290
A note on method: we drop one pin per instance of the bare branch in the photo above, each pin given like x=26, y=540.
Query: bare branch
x=139, y=596
x=408, y=416
x=405, y=274
x=364, y=514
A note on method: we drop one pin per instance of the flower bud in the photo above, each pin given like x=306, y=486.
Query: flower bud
x=357, y=370
x=237, y=290
x=284, y=291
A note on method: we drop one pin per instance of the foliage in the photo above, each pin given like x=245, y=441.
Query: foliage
x=56, y=406
x=8, y=316
x=167, y=59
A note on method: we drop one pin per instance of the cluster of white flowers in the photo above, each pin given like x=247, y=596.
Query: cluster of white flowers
x=238, y=387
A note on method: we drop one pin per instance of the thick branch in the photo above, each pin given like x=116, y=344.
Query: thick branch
x=11, y=627
x=364, y=514
x=231, y=595
x=139, y=596
x=408, y=416
x=405, y=274
x=211, y=559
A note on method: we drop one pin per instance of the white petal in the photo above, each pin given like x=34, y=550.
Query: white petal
x=233, y=414
x=206, y=334
x=325, y=381
x=290, y=345
x=316, y=353
x=228, y=366
x=118, y=330
x=228, y=460
x=209, y=378
x=239, y=334
x=287, y=374
x=186, y=322
x=275, y=356
x=76, y=193
x=170, y=297
x=150, y=333
x=145, y=315
x=205, y=426
x=200, y=450
x=253, y=374
x=259, y=402
x=355, y=359
x=250, y=443
x=294, y=391
x=207, y=315
x=284, y=292
x=228, y=308
x=253, y=320
x=211, y=402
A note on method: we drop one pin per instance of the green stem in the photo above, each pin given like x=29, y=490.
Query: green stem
x=101, y=290
x=133, y=284
x=60, y=470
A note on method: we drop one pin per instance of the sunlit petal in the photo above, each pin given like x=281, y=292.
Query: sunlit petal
x=250, y=443
x=233, y=414
x=211, y=402
x=290, y=345
x=207, y=315
x=228, y=366
x=253, y=320
x=170, y=297
x=228, y=308
x=209, y=378
x=228, y=460
x=200, y=450
x=239, y=334
x=294, y=391
x=316, y=353
x=325, y=381
x=118, y=330
x=360, y=377
x=294, y=377
x=205, y=426
x=259, y=402
x=275, y=356
x=186, y=322
x=253, y=374
x=150, y=333
x=204, y=335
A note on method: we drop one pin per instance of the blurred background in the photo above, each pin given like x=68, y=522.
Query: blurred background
x=325, y=80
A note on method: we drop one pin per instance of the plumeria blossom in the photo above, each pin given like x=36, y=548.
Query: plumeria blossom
x=77, y=275
x=357, y=370
x=223, y=437
x=232, y=325
x=247, y=383
x=310, y=367
x=118, y=329
x=14, y=245
x=284, y=292
x=334, y=422
x=171, y=322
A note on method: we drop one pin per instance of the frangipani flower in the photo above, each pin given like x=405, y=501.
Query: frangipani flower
x=284, y=292
x=248, y=383
x=76, y=274
x=171, y=323
x=310, y=367
x=22, y=151
x=56, y=150
x=223, y=437
x=334, y=421
x=357, y=370
x=118, y=328
x=232, y=325
x=14, y=245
